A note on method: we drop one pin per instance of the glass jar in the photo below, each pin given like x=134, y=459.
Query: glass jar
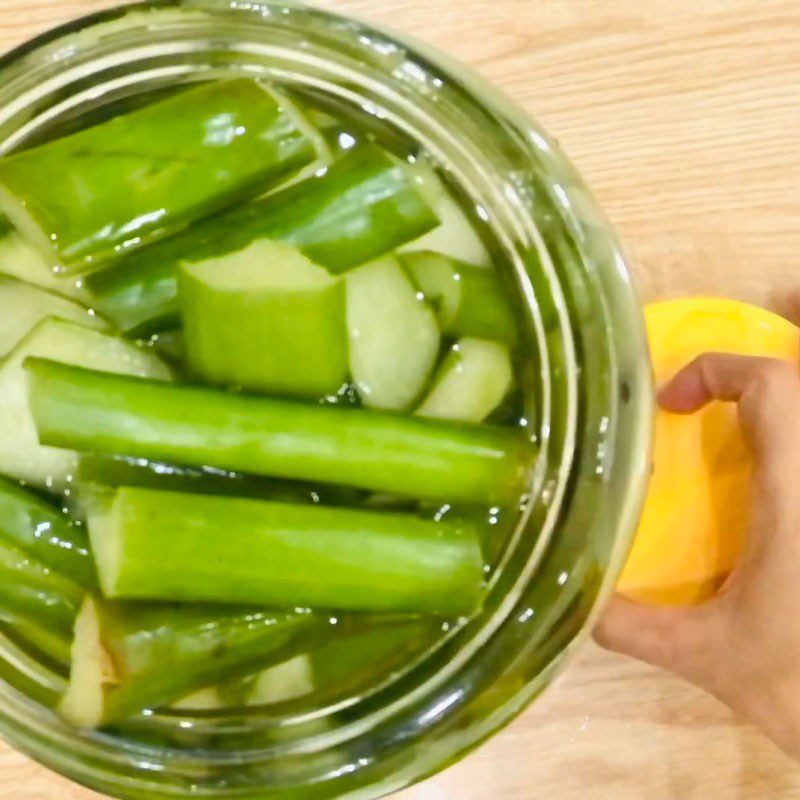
x=589, y=401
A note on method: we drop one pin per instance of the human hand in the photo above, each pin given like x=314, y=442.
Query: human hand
x=743, y=645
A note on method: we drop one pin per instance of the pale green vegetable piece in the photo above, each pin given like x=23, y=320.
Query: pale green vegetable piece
x=21, y=455
x=286, y=681
x=24, y=305
x=473, y=380
x=21, y=259
x=455, y=236
x=394, y=337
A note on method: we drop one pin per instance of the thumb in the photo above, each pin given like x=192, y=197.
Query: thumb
x=680, y=640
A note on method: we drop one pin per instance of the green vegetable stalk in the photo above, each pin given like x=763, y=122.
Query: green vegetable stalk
x=136, y=178
x=54, y=645
x=35, y=526
x=32, y=593
x=364, y=205
x=130, y=657
x=267, y=319
x=383, y=451
x=282, y=555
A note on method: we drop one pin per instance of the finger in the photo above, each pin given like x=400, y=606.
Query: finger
x=680, y=640
x=767, y=390
x=713, y=376
x=787, y=304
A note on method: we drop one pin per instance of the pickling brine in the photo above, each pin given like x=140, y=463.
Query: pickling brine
x=261, y=417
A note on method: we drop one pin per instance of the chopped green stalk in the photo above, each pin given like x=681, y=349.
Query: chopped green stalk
x=25, y=305
x=37, y=527
x=20, y=259
x=265, y=318
x=455, y=236
x=130, y=657
x=394, y=338
x=54, y=645
x=339, y=666
x=363, y=206
x=21, y=454
x=472, y=382
x=30, y=592
x=117, y=471
x=348, y=663
x=145, y=174
x=469, y=299
x=24, y=671
x=386, y=452
x=282, y=555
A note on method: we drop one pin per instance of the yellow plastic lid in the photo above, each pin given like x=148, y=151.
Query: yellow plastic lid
x=695, y=514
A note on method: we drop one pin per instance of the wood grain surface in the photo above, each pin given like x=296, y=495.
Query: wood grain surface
x=684, y=117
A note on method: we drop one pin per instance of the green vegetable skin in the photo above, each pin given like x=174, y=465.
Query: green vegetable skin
x=45, y=566
x=151, y=172
x=131, y=657
x=35, y=526
x=267, y=319
x=364, y=205
x=31, y=593
x=468, y=298
x=346, y=664
x=54, y=645
x=282, y=555
x=382, y=451
x=116, y=471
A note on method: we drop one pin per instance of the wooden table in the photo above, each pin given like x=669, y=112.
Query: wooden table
x=684, y=117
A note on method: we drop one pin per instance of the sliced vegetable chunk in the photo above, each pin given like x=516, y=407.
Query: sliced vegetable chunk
x=24, y=306
x=364, y=205
x=283, y=682
x=469, y=299
x=20, y=259
x=132, y=179
x=455, y=236
x=265, y=318
x=394, y=338
x=404, y=455
x=473, y=380
x=21, y=454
